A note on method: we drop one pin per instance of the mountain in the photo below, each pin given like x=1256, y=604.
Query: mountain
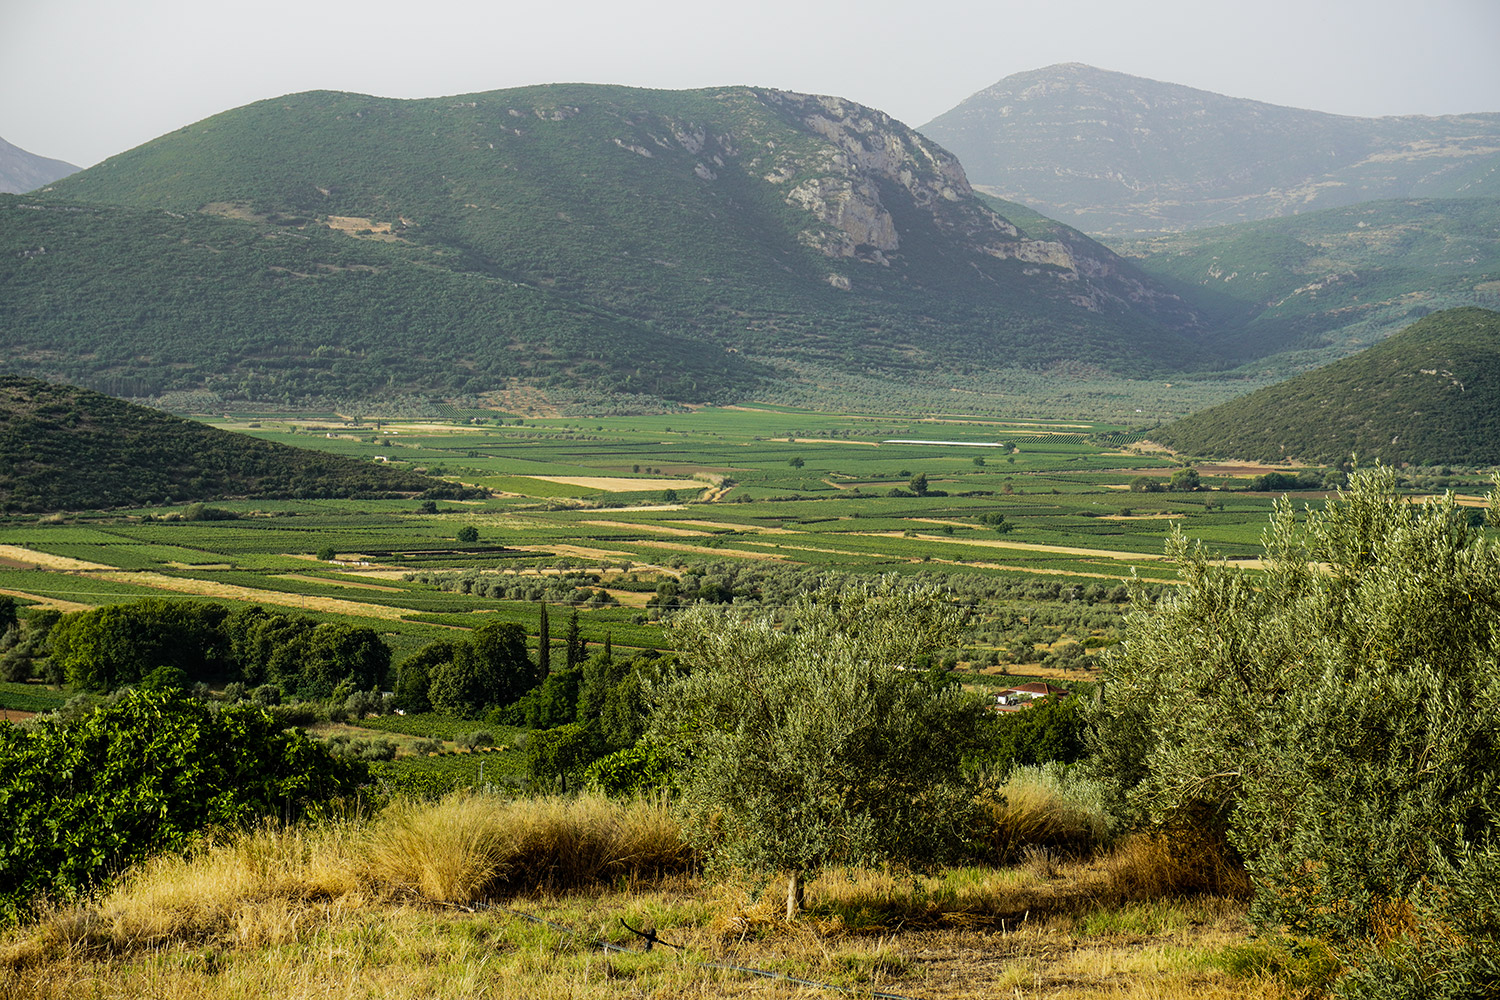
x=1324, y=284
x=1429, y=395
x=683, y=244
x=22, y=171
x=1122, y=156
x=66, y=448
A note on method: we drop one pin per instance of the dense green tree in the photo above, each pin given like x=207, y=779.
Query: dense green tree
x=349, y=655
x=502, y=646
x=1335, y=715
x=414, y=676
x=490, y=670
x=110, y=647
x=9, y=617
x=553, y=702
x=809, y=743
x=573, y=644
x=1184, y=480
x=543, y=643
x=1049, y=730
x=468, y=534
x=82, y=800
x=918, y=484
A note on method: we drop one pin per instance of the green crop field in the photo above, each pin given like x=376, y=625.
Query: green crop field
x=768, y=500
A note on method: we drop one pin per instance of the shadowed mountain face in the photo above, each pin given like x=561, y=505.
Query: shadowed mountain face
x=66, y=448
x=22, y=171
x=683, y=244
x=1429, y=395
x=1122, y=156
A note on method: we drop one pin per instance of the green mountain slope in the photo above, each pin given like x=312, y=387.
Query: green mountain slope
x=758, y=225
x=1124, y=156
x=66, y=448
x=142, y=302
x=1428, y=395
x=1327, y=283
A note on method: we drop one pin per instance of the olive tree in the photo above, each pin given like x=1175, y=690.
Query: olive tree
x=816, y=740
x=1334, y=713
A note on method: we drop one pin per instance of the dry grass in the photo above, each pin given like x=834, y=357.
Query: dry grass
x=1040, y=807
x=349, y=909
x=468, y=846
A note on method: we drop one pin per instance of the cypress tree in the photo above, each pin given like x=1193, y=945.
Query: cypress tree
x=543, y=646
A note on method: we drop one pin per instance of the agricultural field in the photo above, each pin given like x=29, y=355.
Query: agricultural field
x=623, y=517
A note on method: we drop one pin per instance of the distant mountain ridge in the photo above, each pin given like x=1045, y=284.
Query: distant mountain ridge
x=1122, y=156
x=1324, y=283
x=21, y=171
x=1429, y=395
x=736, y=228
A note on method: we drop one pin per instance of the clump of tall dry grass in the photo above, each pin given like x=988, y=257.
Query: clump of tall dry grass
x=466, y=846
x=1047, y=808
x=1181, y=861
x=270, y=886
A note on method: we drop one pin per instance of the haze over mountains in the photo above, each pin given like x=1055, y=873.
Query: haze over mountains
x=22, y=171
x=1122, y=156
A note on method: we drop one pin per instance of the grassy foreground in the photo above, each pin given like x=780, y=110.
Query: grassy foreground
x=425, y=901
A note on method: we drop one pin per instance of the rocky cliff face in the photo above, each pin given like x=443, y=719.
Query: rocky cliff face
x=867, y=158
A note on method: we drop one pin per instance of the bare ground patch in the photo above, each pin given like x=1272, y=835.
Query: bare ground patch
x=1064, y=550
x=211, y=588
x=339, y=583
x=49, y=602
x=31, y=557
x=622, y=484
x=656, y=529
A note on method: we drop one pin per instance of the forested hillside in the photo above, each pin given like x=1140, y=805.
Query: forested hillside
x=1429, y=395
x=678, y=244
x=1325, y=283
x=65, y=448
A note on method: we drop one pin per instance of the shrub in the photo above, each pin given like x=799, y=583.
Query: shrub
x=79, y=801
x=1334, y=717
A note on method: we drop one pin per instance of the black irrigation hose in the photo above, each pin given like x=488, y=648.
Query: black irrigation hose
x=650, y=936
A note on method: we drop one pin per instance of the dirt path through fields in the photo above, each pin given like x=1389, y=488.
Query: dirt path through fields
x=48, y=602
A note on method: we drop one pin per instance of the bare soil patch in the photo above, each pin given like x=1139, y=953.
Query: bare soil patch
x=656, y=529
x=211, y=588
x=339, y=583
x=1066, y=550
x=31, y=557
x=48, y=602
x=620, y=484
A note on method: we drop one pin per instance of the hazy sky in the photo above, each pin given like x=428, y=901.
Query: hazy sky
x=83, y=79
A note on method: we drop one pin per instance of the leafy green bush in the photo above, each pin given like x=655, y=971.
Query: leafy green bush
x=1335, y=716
x=82, y=800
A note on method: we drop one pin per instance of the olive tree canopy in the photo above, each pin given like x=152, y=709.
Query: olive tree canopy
x=815, y=740
x=1335, y=713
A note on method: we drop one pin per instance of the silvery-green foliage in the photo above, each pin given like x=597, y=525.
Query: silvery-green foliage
x=810, y=741
x=1337, y=714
